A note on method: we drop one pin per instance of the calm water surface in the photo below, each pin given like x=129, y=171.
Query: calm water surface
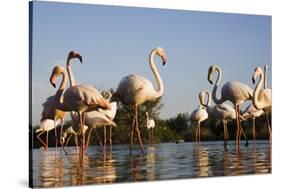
x=159, y=162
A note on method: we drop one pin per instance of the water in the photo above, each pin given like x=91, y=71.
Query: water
x=159, y=162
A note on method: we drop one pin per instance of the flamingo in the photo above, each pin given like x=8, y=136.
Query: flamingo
x=79, y=98
x=222, y=112
x=49, y=110
x=111, y=115
x=198, y=115
x=150, y=123
x=262, y=97
x=251, y=112
x=136, y=90
x=68, y=133
x=45, y=126
x=233, y=91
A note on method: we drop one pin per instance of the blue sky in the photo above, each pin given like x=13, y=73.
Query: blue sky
x=116, y=41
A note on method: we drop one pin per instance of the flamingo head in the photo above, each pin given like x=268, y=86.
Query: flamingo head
x=202, y=97
x=211, y=70
x=161, y=52
x=258, y=71
x=75, y=54
x=57, y=70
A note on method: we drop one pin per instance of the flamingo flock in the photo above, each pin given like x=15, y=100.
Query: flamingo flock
x=90, y=109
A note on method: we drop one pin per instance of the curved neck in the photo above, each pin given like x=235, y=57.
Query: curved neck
x=215, y=99
x=59, y=103
x=62, y=85
x=69, y=72
x=157, y=77
x=209, y=98
x=265, y=78
x=257, y=90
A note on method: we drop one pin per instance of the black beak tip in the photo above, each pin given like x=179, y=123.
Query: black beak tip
x=80, y=58
x=54, y=85
x=164, y=62
x=253, y=80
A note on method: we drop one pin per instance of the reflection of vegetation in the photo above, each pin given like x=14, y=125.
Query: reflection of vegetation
x=166, y=130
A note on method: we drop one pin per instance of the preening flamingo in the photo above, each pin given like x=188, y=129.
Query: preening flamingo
x=45, y=126
x=222, y=112
x=79, y=98
x=136, y=90
x=69, y=132
x=233, y=91
x=198, y=115
x=262, y=97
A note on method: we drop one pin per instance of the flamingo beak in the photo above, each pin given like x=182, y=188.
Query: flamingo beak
x=52, y=82
x=210, y=79
x=253, y=79
x=80, y=58
x=164, y=59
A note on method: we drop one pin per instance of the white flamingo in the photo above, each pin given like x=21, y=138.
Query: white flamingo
x=45, y=126
x=262, y=97
x=111, y=115
x=222, y=112
x=150, y=123
x=233, y=91
x=136, y=90
x=251, y=112
x=79, y=98
x=198, y=115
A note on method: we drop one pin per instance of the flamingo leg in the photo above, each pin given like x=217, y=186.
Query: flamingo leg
x=254, y=129
x=132, y=133
x=244, y=135
x=137, y=128
x=47, y=140
x=199, y=133
x=68, y=139
x=82, y=139
x=238, y=126
x=56, y=136
x=41, y=141
x=88, y=138
x=110, y=138
x=268, y=125
x=196, y=133
x=99, y=140
x=76, y=143
x=225, y=133
x=104, y=138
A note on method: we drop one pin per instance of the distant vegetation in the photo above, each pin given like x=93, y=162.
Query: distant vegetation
x=166, y=130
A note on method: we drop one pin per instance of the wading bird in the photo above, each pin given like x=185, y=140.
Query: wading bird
x=198, y=115
x=222, y=112
x=251, y=112
x=79, y=98
x=49, y=109
x=150, y=124
x=233, y=91
x=45, y=126
x=111, y=115
x=69, y=132
x=262, y=97
x=136, y=90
